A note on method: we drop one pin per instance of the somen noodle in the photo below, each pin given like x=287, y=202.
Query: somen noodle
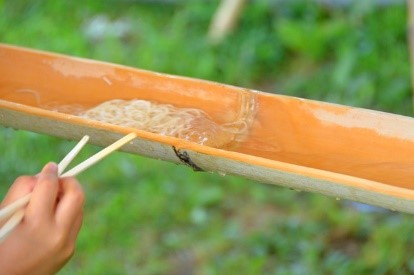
x=166, y=119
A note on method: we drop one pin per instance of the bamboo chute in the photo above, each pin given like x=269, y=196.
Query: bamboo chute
x=340, y=151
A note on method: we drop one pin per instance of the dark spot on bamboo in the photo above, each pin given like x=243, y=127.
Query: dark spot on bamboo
x=185, y=158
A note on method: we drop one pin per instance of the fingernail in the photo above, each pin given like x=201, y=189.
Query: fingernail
x=51, y=168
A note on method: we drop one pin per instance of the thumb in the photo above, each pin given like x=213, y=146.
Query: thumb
x=45, y=192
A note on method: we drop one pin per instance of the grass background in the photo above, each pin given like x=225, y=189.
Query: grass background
x=145, y=216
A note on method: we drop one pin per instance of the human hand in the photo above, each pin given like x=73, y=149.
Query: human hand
x=45, y=239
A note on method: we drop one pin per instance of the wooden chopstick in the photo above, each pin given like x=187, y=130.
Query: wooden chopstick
x=15, y=208
x=100, y=155
x=8, y=210
x=71, y=155
x=11, y=223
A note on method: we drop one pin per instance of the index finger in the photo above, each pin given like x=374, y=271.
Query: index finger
x=70, y=205
x=22, y=186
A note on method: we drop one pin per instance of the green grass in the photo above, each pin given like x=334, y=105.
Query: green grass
x=145, y=216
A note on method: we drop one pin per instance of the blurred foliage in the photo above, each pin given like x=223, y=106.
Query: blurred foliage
x=145, y=216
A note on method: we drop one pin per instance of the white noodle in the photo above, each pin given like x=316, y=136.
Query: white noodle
x=165, y=119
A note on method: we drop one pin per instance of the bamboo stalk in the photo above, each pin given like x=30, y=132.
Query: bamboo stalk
x=410, y=9
x=298, y=143
x=225, y=19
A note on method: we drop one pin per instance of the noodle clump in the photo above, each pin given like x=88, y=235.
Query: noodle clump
x=165, y=119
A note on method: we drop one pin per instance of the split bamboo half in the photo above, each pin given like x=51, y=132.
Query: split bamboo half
x=340, y=151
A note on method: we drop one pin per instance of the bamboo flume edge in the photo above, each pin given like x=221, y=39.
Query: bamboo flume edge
x=339, y=151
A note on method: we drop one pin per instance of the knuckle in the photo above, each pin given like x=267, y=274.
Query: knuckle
x=74, y=190
x=63, y=247
x=59, y=241
x=46, y=180
x=78, y=197
x=23, y=180
x=35, y=225
x=68, y=251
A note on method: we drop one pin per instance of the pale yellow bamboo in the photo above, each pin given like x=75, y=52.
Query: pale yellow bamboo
x=225, y=19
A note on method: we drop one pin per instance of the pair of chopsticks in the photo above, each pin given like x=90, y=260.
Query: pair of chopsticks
x=15, y=210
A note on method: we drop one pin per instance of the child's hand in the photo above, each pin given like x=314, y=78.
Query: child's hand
x=45, y=239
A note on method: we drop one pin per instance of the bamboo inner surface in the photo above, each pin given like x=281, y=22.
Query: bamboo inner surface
x=356, y=142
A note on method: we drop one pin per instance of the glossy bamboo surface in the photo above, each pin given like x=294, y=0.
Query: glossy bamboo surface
x=332, y=149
